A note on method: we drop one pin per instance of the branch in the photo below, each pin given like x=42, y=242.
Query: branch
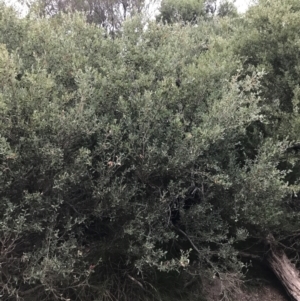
x=251, y=256
x=193, y=245
x=31, y=290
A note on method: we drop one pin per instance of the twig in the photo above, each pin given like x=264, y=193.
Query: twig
x=136, y=281
x=193, y=245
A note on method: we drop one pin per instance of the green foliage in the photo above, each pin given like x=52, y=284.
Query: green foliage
x=272, y=43
x=227, y=8
x=186, y=11
x=268, y=40
x=109, y=14
x=132, y=161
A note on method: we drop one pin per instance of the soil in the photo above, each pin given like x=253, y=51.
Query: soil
x=260, y=285
x=266, y=293
x=263, y=285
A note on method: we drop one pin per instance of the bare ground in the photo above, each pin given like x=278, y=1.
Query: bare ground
x=260, y=285
x=266, y=292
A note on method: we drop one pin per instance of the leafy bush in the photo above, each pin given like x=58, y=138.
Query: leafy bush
x=126, y=162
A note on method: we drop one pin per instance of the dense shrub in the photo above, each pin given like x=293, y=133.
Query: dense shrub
x=130, y=162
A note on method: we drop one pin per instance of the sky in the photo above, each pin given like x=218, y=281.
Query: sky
x=241, y=5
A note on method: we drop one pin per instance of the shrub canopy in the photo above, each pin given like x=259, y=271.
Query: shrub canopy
x=125, y=162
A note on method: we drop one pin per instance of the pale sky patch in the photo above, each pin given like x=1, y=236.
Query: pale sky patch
x=242, y=5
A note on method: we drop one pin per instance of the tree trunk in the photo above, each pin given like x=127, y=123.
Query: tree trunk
x=285, y=271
